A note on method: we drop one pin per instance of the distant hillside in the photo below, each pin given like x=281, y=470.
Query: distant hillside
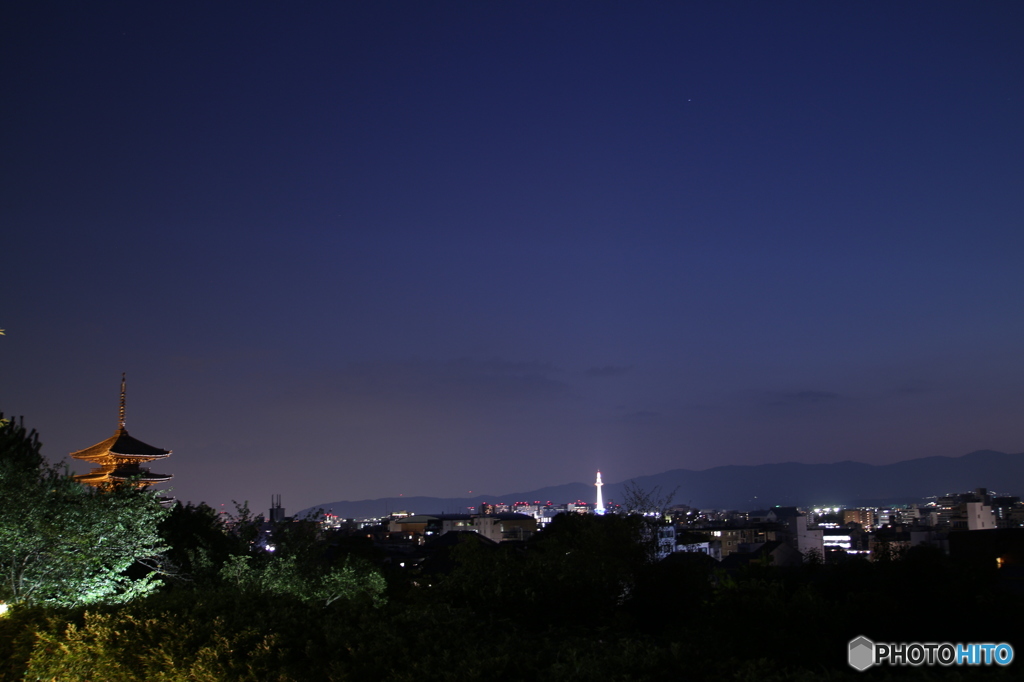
x=759, y=486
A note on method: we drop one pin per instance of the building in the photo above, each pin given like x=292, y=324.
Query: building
x=771, y=553
x=807, y=541
x=1009, y=511
x=666, y=535
x=119, y=458
x=276, y=510
x=505, y=527
x=965, y=511
x=974, y=516
x=890, y=543
x=689, y=542
x=865, y=518
x=410, y=525
x=732, y=538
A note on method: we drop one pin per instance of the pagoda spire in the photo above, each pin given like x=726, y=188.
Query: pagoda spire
x=120, y=457
x=120, y=414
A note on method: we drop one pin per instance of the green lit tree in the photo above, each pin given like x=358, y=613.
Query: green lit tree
x=351, y=580
x=65, y=544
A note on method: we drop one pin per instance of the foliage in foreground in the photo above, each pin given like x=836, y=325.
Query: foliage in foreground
x=286, y=576
x=66, y=544
x=758, y=627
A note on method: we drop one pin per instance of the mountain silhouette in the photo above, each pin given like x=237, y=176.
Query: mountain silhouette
x=755, y=486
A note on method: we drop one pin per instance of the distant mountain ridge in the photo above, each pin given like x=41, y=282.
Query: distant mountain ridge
x=747, y=487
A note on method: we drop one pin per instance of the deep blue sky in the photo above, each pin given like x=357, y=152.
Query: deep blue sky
x=359, y=249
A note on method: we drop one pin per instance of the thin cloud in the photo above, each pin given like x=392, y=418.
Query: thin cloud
x=609, y=371
x=641, y=416
x=460, y=380
x=804, y=397
x=914, y=388
x=795, y=398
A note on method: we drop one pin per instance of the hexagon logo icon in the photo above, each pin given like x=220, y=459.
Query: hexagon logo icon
x=862, y=653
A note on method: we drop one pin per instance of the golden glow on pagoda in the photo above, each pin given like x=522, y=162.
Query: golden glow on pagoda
x=120, y=457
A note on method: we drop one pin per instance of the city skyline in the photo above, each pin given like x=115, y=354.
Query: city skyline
x=351, y=251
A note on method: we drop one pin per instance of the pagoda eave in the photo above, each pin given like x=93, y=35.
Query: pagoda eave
x=105, y=457
x=144, y=478
x=137, y=458
x=91, y=478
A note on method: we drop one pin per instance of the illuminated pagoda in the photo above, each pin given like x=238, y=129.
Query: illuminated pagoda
x=120, y=458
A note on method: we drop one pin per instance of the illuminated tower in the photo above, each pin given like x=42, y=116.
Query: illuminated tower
x=599, y=507
x=120, y=456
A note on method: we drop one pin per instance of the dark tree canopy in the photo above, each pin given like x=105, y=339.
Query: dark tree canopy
x=65, y=544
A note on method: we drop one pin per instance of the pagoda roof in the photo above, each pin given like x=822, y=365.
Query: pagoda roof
x=102, y=475
x=121, y=445
x=144, y=476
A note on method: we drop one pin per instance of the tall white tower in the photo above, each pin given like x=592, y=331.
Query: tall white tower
x=599, y=507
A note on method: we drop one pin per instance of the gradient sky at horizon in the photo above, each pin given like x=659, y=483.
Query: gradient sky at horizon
x=355, y=250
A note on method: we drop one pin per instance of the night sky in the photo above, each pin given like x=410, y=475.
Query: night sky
x=350, y=250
